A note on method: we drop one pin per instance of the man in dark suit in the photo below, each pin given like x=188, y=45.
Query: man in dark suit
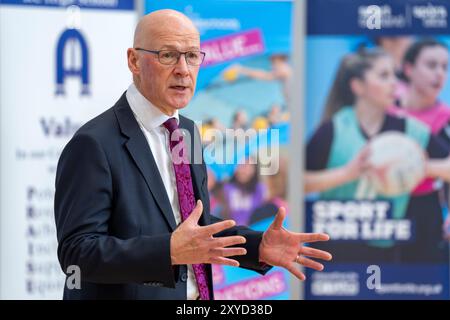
x=133, y=217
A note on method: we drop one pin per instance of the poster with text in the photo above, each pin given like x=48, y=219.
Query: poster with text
x=59, y=68
x=377, y=147
x=240, y=107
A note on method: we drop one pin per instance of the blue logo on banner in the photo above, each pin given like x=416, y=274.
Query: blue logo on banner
x=67, y=41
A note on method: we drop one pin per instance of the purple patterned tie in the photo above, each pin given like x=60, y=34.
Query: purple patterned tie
x=186, y=197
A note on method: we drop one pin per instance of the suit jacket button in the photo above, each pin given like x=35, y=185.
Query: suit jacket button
x=184, y=277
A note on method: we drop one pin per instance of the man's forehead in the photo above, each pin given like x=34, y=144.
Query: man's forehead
x=166, y=26
x=176, y=41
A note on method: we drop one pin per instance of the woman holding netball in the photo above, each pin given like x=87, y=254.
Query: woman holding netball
x=337, y=155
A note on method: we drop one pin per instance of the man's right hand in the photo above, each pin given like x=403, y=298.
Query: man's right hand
x=194, y=244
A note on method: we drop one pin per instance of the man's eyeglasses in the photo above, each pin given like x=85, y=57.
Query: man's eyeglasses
x=171, y=57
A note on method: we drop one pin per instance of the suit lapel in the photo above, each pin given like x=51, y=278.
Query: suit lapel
x=143, y=157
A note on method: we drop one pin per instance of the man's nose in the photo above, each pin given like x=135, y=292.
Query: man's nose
x=181, y=67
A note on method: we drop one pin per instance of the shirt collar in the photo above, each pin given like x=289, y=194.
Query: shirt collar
x=145, y=112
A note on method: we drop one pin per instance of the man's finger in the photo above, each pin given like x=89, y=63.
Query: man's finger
x=214, y=228
x=310, y=263
x=224, y=261
x=315, y=253
x=292, y=268
x=313, y=237
x=196, y=213
x=277, y=224
x=226, y=242
x=228, y=252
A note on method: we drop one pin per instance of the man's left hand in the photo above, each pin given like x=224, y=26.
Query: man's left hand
x=283, y=248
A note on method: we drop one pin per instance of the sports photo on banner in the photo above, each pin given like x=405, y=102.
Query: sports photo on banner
x=377, y=147
x=240, y=107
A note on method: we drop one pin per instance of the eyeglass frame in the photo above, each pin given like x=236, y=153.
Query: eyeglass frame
x=178, y=59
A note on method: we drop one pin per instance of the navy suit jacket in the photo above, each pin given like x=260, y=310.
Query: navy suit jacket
x=114, y=219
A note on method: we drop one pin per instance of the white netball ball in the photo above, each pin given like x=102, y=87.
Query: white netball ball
x=397, y=162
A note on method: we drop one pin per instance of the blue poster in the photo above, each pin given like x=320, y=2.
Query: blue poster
x=377, y=119
x=243, y=85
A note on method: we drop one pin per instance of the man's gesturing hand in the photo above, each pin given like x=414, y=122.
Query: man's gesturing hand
x=194, y=244
x=283, y=248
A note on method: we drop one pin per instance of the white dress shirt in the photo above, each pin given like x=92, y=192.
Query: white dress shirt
x=151, y=121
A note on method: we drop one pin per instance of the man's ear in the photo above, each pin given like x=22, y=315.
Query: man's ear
x=132, y=61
